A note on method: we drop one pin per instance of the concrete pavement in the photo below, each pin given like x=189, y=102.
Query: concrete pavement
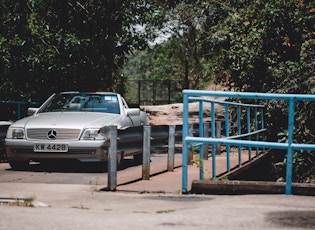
x=58, y=206
x=156, y=203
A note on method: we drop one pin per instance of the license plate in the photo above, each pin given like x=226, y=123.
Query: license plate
x=50, y=148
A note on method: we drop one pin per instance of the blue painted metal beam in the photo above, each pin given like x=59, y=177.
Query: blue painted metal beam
x=249, y=95
x=198, y=95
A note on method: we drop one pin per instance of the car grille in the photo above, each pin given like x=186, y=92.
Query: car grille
x=62, y=134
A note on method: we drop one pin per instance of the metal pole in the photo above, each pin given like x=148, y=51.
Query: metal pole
x=112, y=159
x=201, y=134
x=171, y=148
x=248, y=130
x=146, y=152
x=191, y=134
x=213, y=153
x=206, y=146
x=139, y=92
x=169, y=91
x=288, y=188
x=239, y=131
x=19, y=111
x=185, y=146
x=227, y=134
x=218, y=135
x=256, y=126
x=262, y=124
x=154, y=92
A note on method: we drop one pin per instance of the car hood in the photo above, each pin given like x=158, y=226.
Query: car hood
x=75, y=120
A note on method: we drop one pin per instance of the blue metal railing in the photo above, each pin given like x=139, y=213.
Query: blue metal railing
x=18, y=104
x=195, y=95
x=251, y=131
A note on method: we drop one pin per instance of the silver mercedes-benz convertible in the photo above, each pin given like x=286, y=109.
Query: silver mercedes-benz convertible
x=69, y=125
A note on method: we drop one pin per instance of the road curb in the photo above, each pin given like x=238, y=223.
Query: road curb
x=237, y=187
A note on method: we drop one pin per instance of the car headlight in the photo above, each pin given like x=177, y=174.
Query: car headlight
x=15, y=133
x=92, y=134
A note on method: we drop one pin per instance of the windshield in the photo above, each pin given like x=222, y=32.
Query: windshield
x=82, y=102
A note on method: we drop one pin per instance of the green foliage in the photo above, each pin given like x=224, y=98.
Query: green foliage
x=49, y=46
x=258, y=46
x=255, y=46
x=270, y=48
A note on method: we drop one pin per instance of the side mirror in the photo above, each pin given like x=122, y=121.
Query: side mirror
x=133, y=112
x=31, y=111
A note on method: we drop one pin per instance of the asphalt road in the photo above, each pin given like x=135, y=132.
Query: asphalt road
x=63, y=172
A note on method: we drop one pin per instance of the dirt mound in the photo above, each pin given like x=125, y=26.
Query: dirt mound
x=172, y=114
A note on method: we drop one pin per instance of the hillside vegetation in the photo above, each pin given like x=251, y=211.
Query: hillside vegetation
x=260, y=46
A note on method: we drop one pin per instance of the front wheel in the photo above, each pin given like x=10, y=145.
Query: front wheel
x=19, y=165
x=120, y=159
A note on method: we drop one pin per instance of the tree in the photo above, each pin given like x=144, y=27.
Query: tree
x=269, y=47
x=182, y=56
x=50, y=45
x=253, y=46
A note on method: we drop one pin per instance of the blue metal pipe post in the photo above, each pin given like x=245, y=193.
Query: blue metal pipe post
x=288, y=189
x=185, y=146
x=213, y=146
x=239, y=133
x=248, y=130
x=227, y=134
x=201, y=132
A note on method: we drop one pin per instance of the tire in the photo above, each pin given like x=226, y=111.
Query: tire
x=120, y=159
x=19, y=165
x=98, y=166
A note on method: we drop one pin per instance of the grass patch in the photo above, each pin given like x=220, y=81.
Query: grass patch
x=165, y=211
x=24, y=202
x=80, y=207
x=153, y=192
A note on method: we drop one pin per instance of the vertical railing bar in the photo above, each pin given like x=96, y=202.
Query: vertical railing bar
x=191, y=147
x=185, y=146
x=154, y=91
x=256, y=127
x=262, y=125
x=239, y=133
x=19, y=111
x=171, y=148
x=248, y=130
x=205, y=146
x=227, y=134
x=139, y=92
x=288, y=189
x=146, y=152
x=213, y=146
x=112, y=159
x=201, y=134
x=218, y=135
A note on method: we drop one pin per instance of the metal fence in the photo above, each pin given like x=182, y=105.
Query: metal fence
x=153, y=92
x=141, y=138
x=236, y=140
x=14, y=110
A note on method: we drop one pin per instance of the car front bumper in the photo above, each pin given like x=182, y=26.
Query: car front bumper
x=84, y=151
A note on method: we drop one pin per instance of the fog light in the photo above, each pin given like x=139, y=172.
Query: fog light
x=93, y=152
